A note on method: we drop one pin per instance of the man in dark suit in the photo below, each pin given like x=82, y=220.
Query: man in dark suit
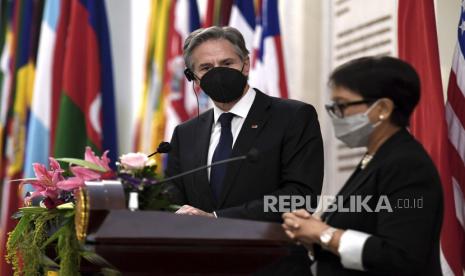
x=285, y=132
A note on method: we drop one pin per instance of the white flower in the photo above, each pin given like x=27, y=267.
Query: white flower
x=134, y=161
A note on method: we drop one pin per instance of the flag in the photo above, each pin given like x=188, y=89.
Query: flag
x=8, y=200
x=87, y=106
x=181, y=101
x=209, y=14
x=417, y=26
x=28, y=14
x=6, y=64
x=38, y=140
x=268, y=69
x=243, y=19
x=453, y=243
x=4, y=23
x=27, y=18
x=57, y=68
x=217, y=13
x=150, y=128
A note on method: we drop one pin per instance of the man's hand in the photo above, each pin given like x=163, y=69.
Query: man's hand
x=189, y=210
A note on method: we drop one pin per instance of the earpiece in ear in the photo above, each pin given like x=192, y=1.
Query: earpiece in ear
x=189, y=75
x=381, y=117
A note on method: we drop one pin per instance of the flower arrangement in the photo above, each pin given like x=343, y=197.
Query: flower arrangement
x=51, y=224
x=137, y=174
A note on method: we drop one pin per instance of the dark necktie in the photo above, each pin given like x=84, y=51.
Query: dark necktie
x=222, y=151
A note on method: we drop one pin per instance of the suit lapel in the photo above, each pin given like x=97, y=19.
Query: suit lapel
x=253, y=124
x=354, y=182
x=203, y=143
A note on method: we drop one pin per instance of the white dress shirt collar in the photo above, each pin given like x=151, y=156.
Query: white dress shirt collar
x=241, y=108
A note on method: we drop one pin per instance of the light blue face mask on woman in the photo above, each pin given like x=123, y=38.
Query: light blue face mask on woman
x=354, y=130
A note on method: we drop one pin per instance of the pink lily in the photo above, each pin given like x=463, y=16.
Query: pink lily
x=82, y=174
x=46, y=181
x=103, y=162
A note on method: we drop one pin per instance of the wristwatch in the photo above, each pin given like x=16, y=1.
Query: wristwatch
x=326, y=237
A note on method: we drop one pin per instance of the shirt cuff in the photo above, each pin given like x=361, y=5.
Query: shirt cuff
x=351, y=249
x=214, y=213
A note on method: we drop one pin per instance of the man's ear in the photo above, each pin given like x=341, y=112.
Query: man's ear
x=197, y=87
x=189, y=74
x=246, y=68
x=197, y=83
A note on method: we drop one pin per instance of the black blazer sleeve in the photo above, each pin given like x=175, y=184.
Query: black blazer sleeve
x=404, y=237
x=301, y=166
x=175, y=188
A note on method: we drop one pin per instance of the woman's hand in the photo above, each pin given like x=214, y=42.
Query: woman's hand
x=302, y=227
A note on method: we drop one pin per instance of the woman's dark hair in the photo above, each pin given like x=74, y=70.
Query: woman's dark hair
x=381, y=77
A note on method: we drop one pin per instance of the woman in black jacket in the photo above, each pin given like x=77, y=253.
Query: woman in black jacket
x=392, y=204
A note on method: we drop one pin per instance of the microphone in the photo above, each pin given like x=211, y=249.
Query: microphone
x=251, y=156
x=163, y=147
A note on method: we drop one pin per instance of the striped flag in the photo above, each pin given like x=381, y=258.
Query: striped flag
x=150, y=128
x=181, y=102
x=268, y=69
x=8, y=192
x=209, y=19
x=87, y=106
x=38, y=141
x=243, y=19
x=5, y=7
x=217, y=13
x=57, y=68
x=6, y=68
x=453, y=243
x=27, y=18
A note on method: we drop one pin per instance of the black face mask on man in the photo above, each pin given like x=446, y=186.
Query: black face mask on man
x=223, y=84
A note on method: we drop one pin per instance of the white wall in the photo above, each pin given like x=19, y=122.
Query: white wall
x=119, y=17
x=301, y=33
x=128, y=21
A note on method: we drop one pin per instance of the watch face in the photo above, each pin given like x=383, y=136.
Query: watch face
x=325, y=237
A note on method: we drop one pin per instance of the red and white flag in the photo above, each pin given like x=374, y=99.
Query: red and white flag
x=268, y=69
x=453, y=243
x=181, y=101
x=446, y=146
x=243, y=18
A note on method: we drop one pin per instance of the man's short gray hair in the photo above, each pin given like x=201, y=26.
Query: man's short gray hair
x=202, y=35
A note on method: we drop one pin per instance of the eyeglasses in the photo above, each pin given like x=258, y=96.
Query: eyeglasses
x=337, y=109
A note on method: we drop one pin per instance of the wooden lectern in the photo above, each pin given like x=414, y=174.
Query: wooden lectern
x=162, y=243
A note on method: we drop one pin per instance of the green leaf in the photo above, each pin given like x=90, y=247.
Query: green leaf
x=69, y=213
x=33, y=210
x=68, y=250
x=174, y=207
x=68, y=206
x=49, y=262
x=20, y=228
x=17, y=215
x=53, y=237
x=110, y=272
x=95, y=259
x=83, y=163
